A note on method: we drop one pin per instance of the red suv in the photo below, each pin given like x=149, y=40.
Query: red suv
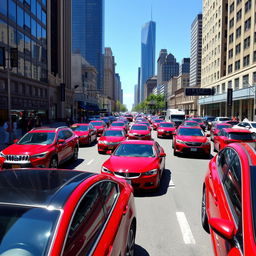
x=41, y=147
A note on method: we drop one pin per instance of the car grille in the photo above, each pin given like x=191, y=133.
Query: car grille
x=195, y=144
x=126, y=175
x=17, y=158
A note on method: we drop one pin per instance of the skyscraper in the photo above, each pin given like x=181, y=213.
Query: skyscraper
x=148, y=45
x=88, y=30
x=184, y=66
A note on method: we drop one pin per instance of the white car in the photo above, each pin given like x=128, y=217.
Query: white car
x=220, y=119
x=251, y=126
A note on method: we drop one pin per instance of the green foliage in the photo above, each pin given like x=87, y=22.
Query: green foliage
x=121, y=107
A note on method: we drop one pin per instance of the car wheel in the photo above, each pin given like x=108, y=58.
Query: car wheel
x=204, y=218
x=130, y=247
x=75, y=154
x=54, y=163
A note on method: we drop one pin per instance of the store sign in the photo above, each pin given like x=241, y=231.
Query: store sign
x=196, y=91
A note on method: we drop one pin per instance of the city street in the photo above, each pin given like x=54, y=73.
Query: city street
x=168, y=221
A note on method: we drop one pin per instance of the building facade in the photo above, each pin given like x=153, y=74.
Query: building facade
x=239, y=54
x=88, y=33
x=150, y=84
x=184, y=66
x=196, y=51
x=148, y=45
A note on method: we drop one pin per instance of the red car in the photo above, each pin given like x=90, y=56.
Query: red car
x=85, y=132
x=40, y=148
x=65, y=212
x=230, y=135
x=165, y=129
x=140, y=162
x=228, y=209
x=216, y=129
x=110, y=139
x=191, y=140
x=100, y=126
x=129, y=117
x=156, y=123
x=139, y=132
x=191, y=123
x=200, y=122
x=118, y=124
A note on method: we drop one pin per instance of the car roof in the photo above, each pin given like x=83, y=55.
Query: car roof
x=47, y=129
x=39, y=187
x=236, y=130
x=145, y=142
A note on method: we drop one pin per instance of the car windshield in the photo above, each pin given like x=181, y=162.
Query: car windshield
x=223, y=126
x=117, y=124
x=80, y=128
x=159, y=121
x=167, y=125
x=113, y=133
x=191, y=124
x=224, y=118
x=240, y=136
x=28, y=229
x=139, y=127
x=37, y=138
x=190, y=132
x=253, y=125
x=97, y=123
x=199, y=120
x=177, y=117
x=135, y=150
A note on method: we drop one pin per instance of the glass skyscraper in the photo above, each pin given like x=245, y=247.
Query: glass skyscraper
x=148, y=45
x=88, y=33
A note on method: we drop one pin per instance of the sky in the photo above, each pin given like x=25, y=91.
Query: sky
x=123, y=23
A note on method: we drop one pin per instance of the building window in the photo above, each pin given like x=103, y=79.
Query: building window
x=254, y=56
x=237, y=84
x=238, y=48
x=237, y=65
x=223, y=88
x=238, y=2
x=230, y=68
x=245, y=81
x=3, y=7
x=218, y=89
x=248, y=6
x=33, y=6
x=12, y=10
x=246, y=60
x=254, y=78
x=239, y=15
x=247, y=24
x=230, y=84
x=247, y=42
x=231, y=38
x=254, y=37
x=238, y=32
x=27, y=21
x=20, y=18
x=231, y=23
x=230, y=53
x=39, y=11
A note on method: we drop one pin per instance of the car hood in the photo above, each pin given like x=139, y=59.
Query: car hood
x=16, y=149
x=112, y=138
x=132, y=164
x=139, y=132
x=81, y=133
x=201, y=139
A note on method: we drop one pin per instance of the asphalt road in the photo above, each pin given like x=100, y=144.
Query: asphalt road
x=168, y=220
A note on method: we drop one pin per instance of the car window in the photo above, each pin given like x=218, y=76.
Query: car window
x=240, y=136
x=135, y=150
x=87, y=223
x=61, y=135
x=68, y=134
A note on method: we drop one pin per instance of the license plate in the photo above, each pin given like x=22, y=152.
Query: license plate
x=16, y=166
x=193, y=149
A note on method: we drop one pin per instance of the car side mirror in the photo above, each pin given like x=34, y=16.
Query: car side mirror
x=224, y=228
x=15, y=141
x=162, y=154
x=61, y=141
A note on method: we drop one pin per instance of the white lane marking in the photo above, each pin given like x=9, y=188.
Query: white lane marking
x=90, y=162
x=185, y=228
x=171, y=184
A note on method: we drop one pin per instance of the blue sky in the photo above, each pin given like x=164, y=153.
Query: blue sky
x=123, y=22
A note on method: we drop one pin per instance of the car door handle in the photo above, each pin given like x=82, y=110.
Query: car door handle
x=126, y=208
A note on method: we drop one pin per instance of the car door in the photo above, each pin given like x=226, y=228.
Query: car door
x=62, y=147
x=86, y=224
x=93, y=132
x=160, y=150
x=69, y=136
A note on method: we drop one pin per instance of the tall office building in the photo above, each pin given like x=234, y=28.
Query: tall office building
x=148, y=45
x=184, y=66
x=88, y=33
x=135, y=95
x=138, y=87
x=196, y=51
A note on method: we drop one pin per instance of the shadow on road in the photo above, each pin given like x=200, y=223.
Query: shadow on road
x=73, y=165
x=195, y=156
x=139, y=251
x=162, y=190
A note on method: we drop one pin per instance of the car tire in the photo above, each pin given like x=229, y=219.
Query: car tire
x=204, y=218
x=75, y=154
x=130, y=247
x=54, y=162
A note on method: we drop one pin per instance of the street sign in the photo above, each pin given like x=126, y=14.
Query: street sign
x=229, y=96
x=62, y=92
x=14, y=57
x=2, y=57
x=196, y=91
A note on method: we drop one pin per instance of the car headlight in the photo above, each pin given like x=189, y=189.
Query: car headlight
x=105, y=170
x=41, y=155
x=161, y=130
x=151, y=172
x=180, y=141
x=102, y=142
x=2, y=154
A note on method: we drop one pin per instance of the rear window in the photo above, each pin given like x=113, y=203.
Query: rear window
x=139, y=127
x=117, y=124
x=240, y=136
x=81, y=128
x=224, y=119
x=190, y=132
x=97, y=123
x=167, y=125
x=113, y=133
x=223, y=126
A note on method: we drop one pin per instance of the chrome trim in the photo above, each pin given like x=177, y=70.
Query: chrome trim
x=126, y=175
x=17, y=158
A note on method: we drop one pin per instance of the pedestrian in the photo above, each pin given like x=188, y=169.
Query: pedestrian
x=7, y=130
x=38, y=122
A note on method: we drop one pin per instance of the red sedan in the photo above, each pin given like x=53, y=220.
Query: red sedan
x=65, y=212
x=230, y=135
x=191, y=140
x=40, y=148
x=139, y=132
x=118, y=124
x=110, y=139
x=228, y=209
x=140, y=162
x=165, y=129
x=100, y=126
x=156, y=123
x=85, y=132
x=216, y=129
